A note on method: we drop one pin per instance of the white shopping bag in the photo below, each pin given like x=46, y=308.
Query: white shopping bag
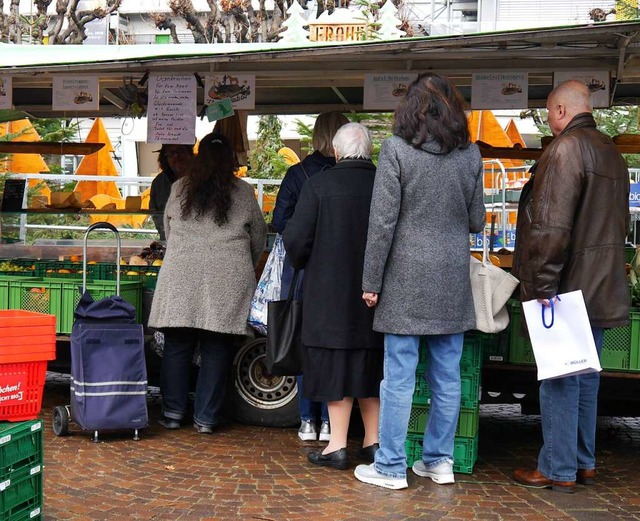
x=561, y=338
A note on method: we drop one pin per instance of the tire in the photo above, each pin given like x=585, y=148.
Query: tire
x=60, y=421
x=256, y=397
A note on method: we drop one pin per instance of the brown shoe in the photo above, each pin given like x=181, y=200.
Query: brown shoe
x=586, y=476
x=533, y=479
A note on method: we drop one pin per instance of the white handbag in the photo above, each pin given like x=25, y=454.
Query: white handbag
x=561, y=337
x=491, y=288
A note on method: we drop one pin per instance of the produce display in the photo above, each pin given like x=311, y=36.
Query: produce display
x=10, y=266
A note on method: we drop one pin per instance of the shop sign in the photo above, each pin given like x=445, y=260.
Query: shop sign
x=499, y=90
x=240, y=89
x=6, y=92
x=384, y=91
x=78, y=92
x=500, y=240
x=597, y=81
x=171, y=110
x=634, y=194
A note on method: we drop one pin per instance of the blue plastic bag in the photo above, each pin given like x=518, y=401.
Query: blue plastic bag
x=268, y=287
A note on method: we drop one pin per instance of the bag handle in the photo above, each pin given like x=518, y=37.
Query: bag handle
x=293, y=287
x=553, y=314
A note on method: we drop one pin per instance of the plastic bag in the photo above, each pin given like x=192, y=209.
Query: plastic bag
x=268, y=287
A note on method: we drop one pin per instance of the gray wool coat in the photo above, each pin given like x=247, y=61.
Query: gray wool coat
x=207, y=277
x=425, y=203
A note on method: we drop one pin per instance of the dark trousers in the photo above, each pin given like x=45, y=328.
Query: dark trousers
x=216, y=352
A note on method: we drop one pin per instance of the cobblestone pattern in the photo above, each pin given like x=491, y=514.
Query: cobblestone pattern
x=252, y=473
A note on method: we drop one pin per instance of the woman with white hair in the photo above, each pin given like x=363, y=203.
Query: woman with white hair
x=327, y=236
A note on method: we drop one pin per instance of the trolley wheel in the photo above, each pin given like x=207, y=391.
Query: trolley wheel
x=60, y=420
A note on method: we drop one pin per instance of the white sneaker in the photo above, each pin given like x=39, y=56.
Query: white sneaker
x=307, y=431
x=441, y=474
x=368, y=474
x=325, y=432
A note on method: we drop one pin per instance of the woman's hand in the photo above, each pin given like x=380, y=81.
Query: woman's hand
x=370, y=299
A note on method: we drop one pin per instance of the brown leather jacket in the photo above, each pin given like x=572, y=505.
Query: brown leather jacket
x=573, y=219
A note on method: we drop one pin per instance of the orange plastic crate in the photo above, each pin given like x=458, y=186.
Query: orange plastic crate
x=21, y=388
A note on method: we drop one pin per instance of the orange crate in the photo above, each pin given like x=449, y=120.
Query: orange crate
x=21, y=387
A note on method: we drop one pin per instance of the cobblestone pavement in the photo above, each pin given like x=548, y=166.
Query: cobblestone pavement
x=253, y=473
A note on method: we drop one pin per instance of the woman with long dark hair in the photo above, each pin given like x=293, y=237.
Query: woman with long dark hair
x=427, y=198
x=215, y=236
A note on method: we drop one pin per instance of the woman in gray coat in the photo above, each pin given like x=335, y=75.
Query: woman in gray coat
x=427, y=198
x=215, y=236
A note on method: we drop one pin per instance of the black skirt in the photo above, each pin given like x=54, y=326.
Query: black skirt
x=333, y=374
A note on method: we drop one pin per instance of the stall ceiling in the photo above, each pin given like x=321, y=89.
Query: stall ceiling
x=320, y=76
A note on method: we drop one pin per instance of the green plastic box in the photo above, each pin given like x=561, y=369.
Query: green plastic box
x=465, y=452
x=468, y=421
x=21, y=492
x=20, y=446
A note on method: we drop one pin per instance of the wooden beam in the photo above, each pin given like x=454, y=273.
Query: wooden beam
x=51, y=147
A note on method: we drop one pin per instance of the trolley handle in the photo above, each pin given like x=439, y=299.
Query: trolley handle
x=105, y=226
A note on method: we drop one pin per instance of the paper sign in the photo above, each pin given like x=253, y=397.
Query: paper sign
x=499, y=90
x=239, y=88
x=220, y=110
x=12, y=388
x=6, y=92
x=384, y=91
x=597, y=81
x=79, y=92
x=171, y=111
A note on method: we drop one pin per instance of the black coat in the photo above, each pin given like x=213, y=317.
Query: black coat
x=327, y=236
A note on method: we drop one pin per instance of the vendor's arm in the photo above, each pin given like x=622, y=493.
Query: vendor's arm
x=555, y=197
x=301, y=228
x=385, y=208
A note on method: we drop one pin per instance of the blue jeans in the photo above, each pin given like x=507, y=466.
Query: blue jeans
x=396, y=395
x=569, y=411
x=309, y=409
x=216, y=351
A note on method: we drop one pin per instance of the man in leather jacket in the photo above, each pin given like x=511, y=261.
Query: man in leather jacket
x=573, y=218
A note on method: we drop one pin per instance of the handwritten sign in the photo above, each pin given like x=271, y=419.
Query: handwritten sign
x=171, y=112
x=6, y=92
x=499, y=90
x=78, y=92
x=13, y=196
x=597, y=81
x=239, y=88
x=384, y=91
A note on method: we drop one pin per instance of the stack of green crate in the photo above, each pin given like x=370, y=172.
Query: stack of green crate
x=466, y=441
x=21, y=460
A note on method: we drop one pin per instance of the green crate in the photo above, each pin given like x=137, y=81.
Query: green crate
x=38, y=295
x=469, y=386
x=465, y=452
x=30, y=511
x=470, y=361
x=72, y=291
x=21, y=492
x=5, y=283
x=621, y=348
x=147, y=274
x=468, y=421
x=520, y=350
x=495, y=346
x=20, y=446
x=45, y=267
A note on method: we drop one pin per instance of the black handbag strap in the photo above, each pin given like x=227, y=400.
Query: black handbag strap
x=294, y=285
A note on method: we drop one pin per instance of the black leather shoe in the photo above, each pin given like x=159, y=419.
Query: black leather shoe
x=369, y=453
x=338, y=459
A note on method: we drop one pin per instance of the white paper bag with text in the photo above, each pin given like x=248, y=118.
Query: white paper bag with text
x=565, y=346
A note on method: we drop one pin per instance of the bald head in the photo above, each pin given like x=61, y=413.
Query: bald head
x=565, y=102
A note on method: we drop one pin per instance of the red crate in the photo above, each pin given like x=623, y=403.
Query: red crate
x=21, y=387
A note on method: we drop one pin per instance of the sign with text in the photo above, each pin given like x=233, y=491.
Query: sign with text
x=13, y=195
x=78, y=92
x=239, y=88
x=6, y=92
x=597, y=81
x=171, y=111
x=12, y=390
x=476, y=240
x=384, y=91
x=634, y=194
x=499, y=90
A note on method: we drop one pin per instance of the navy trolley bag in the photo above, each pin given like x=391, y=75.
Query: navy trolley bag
x=108, y=369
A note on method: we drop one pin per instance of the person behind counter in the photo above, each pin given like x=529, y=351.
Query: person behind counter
x=327, y=236
x=216, y=234
x=175, y=162
x=427, y=197
x=324, y=130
